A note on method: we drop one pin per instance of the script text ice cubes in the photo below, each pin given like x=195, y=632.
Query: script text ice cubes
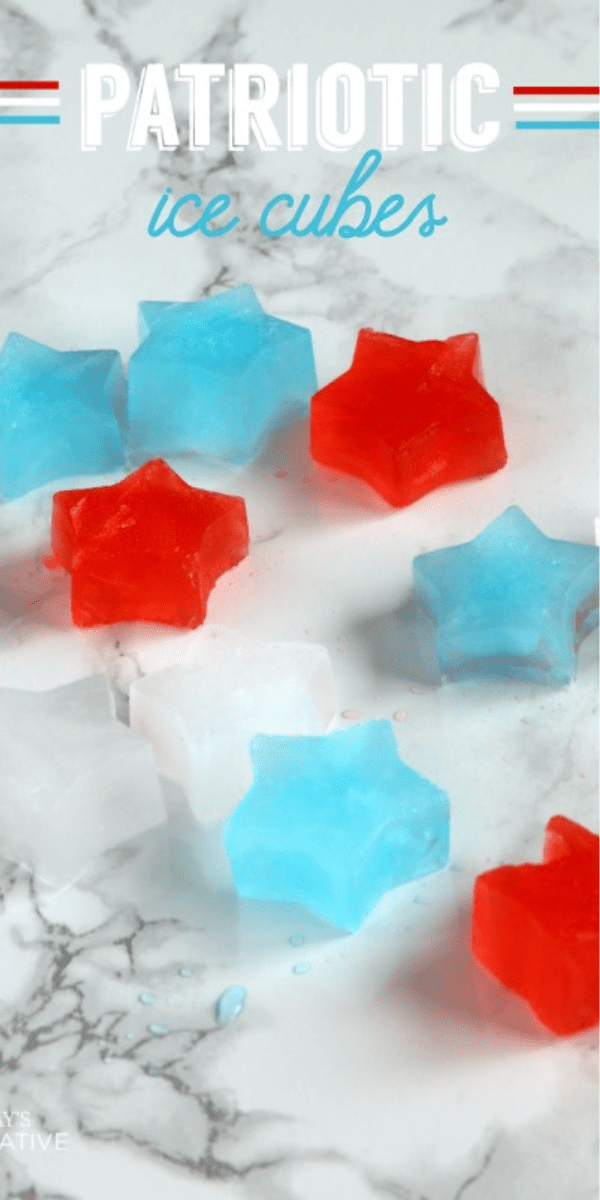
x=216, y=377
x=408, y=417
x=535, y=928
x=59, y=413
x=201, y=713
x=333, y=822
x=512, y=602
x=75, y=781
x=150, y=548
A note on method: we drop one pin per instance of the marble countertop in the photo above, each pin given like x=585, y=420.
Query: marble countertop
x=393, y=1067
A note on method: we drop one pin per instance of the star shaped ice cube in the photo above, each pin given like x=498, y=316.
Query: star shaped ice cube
x=409, y=417
x=216, y=376
x=512, y=602
x=149, y=548
x=333, y=822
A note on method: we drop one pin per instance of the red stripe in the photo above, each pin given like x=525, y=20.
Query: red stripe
x=556, y=91
x=29, y=85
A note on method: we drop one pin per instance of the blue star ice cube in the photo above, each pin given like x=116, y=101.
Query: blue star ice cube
x=216, y=377
x=58, y=413
x=512, y=602
x=333, y=822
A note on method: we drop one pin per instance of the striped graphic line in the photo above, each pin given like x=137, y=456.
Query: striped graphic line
x=557, y=124
x=553, y=106
x=29, y=102
x=556, y=91
x=22, y=120
x=29, y=85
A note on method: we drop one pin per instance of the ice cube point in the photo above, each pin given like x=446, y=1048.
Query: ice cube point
x=149, y=548
x=333, y=822
x=409, y=417
x=511, y=602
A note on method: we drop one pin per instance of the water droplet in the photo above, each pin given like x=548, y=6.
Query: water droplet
x=186, y=972
x=352, y=714
x=230, y=1004
x=146, y=997
x=297, y=939
x=300, y=968
x=399, y=714
x=158, y=1030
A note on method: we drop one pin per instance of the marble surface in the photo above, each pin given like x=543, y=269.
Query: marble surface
x=393, y=1067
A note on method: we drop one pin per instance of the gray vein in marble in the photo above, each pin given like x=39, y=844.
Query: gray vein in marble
x=552, y=24
x=504, y=11
x=94, y=1050
x=177, y=167
x=268, y=537
x=17, y=1185
x=464, y=1187
x=107, y=36
x=54, y=1014
x=71, y=247
x=29, y=44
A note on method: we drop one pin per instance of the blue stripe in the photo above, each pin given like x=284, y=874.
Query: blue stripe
x=557, y=124
x=29, y=120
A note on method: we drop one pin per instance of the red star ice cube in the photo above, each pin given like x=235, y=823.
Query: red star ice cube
x=150, y=548
x=409, y=417
x=535, y=928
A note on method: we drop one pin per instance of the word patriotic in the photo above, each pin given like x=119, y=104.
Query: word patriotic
x=342, y=102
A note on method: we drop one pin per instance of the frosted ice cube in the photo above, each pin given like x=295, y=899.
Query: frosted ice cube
x=75, y=781
x=59, y=413
x=201, y=713
x=216, y=376
x=510, y=603
x=334, y=822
